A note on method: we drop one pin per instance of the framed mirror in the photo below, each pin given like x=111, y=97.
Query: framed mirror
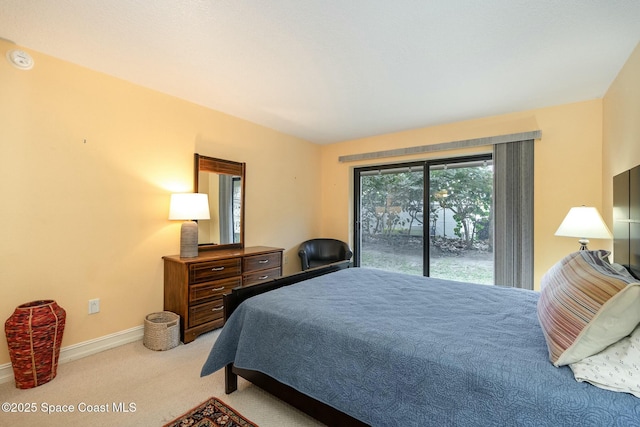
x=224, y=182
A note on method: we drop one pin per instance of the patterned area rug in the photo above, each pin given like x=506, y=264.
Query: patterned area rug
x=212, y=413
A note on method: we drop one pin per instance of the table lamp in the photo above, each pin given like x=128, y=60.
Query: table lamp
x=189, y=207
x=584, y=222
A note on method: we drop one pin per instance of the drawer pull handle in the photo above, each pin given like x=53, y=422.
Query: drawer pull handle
x=217, y=289
x=263, y=261
x=217, y=309
x=263, y=277
x=217, y=269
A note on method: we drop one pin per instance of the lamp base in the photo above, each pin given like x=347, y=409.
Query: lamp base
x=189, y=239
x=583, y=244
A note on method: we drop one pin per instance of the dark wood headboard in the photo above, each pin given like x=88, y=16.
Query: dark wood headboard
x=626, y=220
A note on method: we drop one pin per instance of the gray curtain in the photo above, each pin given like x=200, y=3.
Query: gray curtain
x=513, y=210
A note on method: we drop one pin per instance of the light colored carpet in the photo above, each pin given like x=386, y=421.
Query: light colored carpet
x=162, y=385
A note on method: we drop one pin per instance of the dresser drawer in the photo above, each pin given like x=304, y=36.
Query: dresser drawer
x=205, y=291
x=261, y=262
x=206, y=312
x=261, y=276
x=194, y=287
x=214, y=270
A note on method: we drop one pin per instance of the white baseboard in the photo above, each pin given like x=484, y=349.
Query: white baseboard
x=86, y=348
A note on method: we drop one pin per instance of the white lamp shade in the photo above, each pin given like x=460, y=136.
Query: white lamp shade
x=189, y=206
x=584, y=222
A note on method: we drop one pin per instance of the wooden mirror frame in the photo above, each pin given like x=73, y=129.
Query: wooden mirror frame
x=226, y=167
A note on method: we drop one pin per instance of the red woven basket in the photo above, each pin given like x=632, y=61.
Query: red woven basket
x=34, y=335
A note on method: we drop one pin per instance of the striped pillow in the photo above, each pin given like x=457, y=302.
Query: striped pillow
x=585, y=305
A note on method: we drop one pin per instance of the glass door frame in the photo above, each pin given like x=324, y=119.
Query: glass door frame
x=357, y=206
x=425, y=165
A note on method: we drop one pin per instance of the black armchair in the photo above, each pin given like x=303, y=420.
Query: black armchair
x=317, y=252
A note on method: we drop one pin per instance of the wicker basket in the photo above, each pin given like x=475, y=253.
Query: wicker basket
x=161, y=330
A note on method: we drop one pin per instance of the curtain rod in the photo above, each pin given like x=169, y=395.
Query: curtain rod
x=443, y=146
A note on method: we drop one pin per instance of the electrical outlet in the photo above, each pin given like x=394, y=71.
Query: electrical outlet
x=94, y=306
x=285, y=259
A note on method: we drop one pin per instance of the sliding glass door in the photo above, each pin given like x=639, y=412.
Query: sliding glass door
x=427, y=218
x=390, y=217
x=461, y=221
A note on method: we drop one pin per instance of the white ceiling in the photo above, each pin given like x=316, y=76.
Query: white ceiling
x=334, y=70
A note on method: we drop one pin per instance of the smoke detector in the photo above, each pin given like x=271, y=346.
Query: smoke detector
x=20, y=59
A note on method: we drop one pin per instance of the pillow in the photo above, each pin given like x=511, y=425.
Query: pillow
x=585, y=305
x=621, y=269
x=615, y=368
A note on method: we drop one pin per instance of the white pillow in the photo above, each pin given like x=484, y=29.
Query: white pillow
x=615, y=368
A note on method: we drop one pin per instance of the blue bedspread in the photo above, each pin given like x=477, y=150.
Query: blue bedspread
x=399, y=350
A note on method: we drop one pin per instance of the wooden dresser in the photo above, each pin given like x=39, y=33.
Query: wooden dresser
x=193, y=287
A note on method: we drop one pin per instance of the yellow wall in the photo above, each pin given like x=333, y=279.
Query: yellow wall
x=568, y=169
x=84, y=220
x=621, y=127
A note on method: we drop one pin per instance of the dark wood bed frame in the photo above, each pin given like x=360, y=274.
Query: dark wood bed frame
x=314, y=408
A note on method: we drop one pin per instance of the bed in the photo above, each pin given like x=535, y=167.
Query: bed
x=391, y=349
